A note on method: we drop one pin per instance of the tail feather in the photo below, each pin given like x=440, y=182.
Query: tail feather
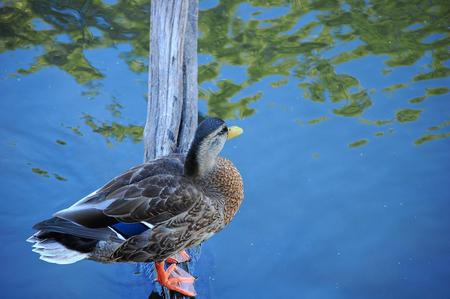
x=32, y=239
x=54, y=252
x=61, y=241
x=59, y=225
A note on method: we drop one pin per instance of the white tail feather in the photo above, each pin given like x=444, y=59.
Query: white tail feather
x=54, y=252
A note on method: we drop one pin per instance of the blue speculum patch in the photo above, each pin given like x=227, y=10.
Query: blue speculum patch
x=129, y=229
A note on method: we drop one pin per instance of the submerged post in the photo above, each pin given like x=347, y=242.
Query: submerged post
x=172, y=111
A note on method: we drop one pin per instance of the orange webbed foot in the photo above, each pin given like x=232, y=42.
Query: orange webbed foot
x=180, y=257
x=175, y=279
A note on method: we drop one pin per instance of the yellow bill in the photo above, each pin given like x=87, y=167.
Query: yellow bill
x=234, y=131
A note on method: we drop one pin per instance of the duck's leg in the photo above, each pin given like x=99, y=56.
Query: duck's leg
x=180, y=257
x=175, y=279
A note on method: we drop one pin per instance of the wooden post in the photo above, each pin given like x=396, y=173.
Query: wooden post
x=172, y=100
x=172, y=112
x=190, y=80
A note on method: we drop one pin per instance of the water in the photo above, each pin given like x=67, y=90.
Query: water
x=344, y=156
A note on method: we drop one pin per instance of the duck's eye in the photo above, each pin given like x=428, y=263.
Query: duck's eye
x=224, y=130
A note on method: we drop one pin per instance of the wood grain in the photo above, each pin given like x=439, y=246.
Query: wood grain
x=172, y=99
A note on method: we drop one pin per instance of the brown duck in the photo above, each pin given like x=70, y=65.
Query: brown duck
x=152, y=212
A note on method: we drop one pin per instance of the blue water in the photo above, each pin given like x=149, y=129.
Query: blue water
x=320, y=219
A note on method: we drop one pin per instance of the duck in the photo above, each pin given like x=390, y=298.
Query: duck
x=153, y=212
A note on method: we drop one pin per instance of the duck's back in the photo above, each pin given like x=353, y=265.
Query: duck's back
x=141, y=181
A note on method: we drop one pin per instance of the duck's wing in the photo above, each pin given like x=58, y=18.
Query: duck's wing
x=151, y=192
x=154, y=200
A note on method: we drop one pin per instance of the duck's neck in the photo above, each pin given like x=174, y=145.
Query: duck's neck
x=199, y=162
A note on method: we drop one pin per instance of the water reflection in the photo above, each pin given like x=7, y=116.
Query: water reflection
x=306, y=42
x=358, y=143
x=114, y=130
x=46, y=174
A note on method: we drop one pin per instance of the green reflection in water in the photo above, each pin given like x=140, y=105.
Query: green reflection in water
x=431, y=137
x=407, y=115
x=358, y=143
x=75, y=130
x=279, y=83
x=46, y=174
x=440, y=126
x=59, y=178
x=40, y=172
x=417, y=100
x=114, y=131
x=437, y=91
x=114, y=108
x=395, y=87
x=89, y=24
x=312, y=121
x=378, y=122
x=398, y=31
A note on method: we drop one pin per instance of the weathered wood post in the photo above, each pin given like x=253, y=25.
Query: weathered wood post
x=172, y=97
x=172, y=100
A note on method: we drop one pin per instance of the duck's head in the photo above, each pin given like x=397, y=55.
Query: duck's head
x=210, y=137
